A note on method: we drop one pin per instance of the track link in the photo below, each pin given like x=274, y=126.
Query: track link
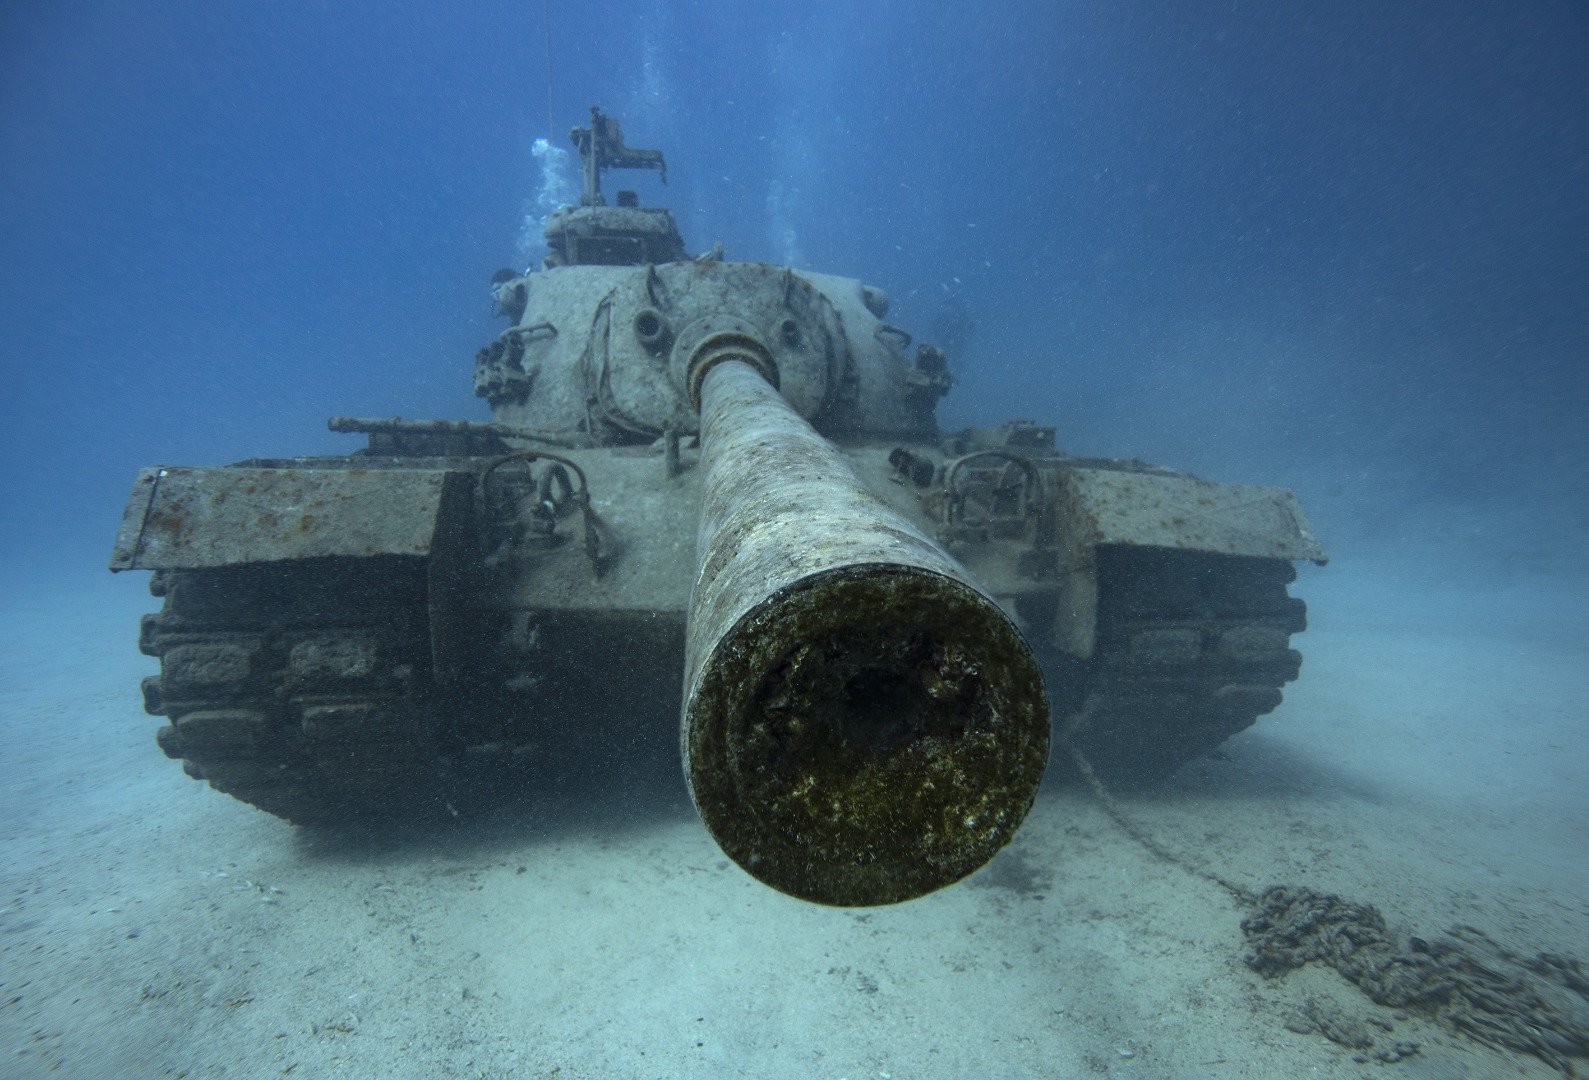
x=1191, y=649
x=301, y=688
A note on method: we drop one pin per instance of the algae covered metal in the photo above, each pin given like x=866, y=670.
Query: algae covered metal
x=861, y=722
x=712, y=494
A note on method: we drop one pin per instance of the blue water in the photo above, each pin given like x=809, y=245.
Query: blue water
x=1342, y=248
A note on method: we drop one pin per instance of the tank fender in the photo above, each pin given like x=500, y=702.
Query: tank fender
x=1095, y=507
x=180, y=519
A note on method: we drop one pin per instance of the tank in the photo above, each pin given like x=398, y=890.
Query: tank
x=712, y=494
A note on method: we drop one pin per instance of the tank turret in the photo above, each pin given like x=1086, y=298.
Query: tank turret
x=599, y=340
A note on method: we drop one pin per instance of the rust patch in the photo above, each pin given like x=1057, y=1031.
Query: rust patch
x=169, y=523
x=231, y=515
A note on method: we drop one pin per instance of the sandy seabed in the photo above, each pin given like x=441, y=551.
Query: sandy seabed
x=1434, y=766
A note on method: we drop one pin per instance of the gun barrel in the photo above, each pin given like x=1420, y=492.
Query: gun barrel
x=861, y=724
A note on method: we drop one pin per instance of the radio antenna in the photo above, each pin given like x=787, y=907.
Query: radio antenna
x=546, y=21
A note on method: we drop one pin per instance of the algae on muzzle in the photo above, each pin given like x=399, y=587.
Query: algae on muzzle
x=862, y=724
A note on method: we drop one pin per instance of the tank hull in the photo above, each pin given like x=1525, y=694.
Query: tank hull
x=347, y=637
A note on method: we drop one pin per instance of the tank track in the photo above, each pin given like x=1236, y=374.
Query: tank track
x=302, y=688
x=305, y=689
x=1191, y=648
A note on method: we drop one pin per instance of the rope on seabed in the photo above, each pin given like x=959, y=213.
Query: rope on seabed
x=1131, y=829
x=1467, y=981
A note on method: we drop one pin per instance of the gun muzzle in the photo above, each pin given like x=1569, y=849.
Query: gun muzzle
x=861, y=723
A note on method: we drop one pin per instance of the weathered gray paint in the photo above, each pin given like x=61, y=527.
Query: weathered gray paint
x=584, y=363
x=194, y=518
x=1154, y=510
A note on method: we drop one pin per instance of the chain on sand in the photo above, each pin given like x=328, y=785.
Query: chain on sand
x=1534, y=1005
